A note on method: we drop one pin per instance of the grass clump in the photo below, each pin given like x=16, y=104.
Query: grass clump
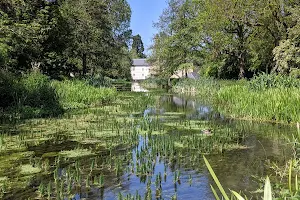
x=271, y=104
x=34, y=95
x=79, y=94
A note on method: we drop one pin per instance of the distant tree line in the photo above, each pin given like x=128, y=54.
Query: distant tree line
x=60, y=37
x=228, y=38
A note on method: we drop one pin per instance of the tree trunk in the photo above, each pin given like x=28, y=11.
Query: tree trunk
x=242, y=65
x=242, y=51
x=84, y=66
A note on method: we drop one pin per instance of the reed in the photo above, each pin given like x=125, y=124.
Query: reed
x=78, y=94
x=264, y=98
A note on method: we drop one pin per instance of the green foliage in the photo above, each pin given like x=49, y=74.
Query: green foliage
x=137, y=48
x=63, y=37
x=286, y=54
x=228, y=39
x=31, y=96
x=38, y=91
x=205, y=87
x=179, y=39
x=35, y=95
x=266, y=97
x=79, y=94
x=266, y=81
x=99, y=81
x=272, y=104
x=8, y=89
x=154, y=82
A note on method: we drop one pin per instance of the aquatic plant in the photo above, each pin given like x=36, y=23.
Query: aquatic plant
x=265, y=98
x=78, y=94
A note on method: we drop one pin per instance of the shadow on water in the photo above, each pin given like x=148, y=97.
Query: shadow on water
x=164, y=159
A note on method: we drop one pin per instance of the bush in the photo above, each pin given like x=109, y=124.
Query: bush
x=30, y=96
x=8, y=89
x=38, y=91
x=99, y=81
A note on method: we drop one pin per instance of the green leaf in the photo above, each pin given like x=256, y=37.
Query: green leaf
x=290, y=176
x=267, y=190
x=212, y=173
x=214, y=192
x=237, y=195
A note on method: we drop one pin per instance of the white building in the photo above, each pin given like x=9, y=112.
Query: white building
x=140, y=69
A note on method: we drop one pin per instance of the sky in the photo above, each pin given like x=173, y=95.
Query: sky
x=144, y=13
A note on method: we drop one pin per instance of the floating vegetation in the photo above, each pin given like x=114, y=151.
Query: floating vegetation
x=76, y=153
x=104, y=151
x=29, y=169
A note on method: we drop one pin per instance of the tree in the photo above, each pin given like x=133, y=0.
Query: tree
x=137, y=48
x=226, y=38
x=286, y=54
x=179, y=41
x=64, y=36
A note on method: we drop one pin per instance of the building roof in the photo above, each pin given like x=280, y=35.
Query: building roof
x=140, y=62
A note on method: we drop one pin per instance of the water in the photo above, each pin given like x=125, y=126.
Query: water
x=146, y=148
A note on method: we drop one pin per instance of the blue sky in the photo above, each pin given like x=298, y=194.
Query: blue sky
x=144, y=13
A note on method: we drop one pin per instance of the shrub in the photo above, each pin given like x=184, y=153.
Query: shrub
x=38, y=91
x=30, y=96
x=8, y=89
x=99, y=81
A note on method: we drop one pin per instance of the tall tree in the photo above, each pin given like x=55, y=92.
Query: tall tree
x=137, y=48
x=179, y=41
x=62, y=36
x=226, y=38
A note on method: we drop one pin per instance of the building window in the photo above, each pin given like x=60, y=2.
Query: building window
x=133, y=74
x=142, y=74
x=133, y=69
x=142, y=69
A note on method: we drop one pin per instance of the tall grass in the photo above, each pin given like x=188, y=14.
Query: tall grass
x=266, y=97
x=79, y=94
x=271, y=104
x=267, y=81
x=154, y=82
x=35, y=95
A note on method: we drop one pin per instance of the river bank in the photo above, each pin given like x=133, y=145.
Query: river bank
x=261, y=100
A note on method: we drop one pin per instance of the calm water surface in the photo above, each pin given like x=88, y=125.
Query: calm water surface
x=264, y=143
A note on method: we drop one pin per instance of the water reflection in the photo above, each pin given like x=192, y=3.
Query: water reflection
x=165, y=144
x=136, y=87
x=189, y=106
x=236, y=169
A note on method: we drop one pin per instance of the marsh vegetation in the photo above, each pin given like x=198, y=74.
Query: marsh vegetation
x=141, y=146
